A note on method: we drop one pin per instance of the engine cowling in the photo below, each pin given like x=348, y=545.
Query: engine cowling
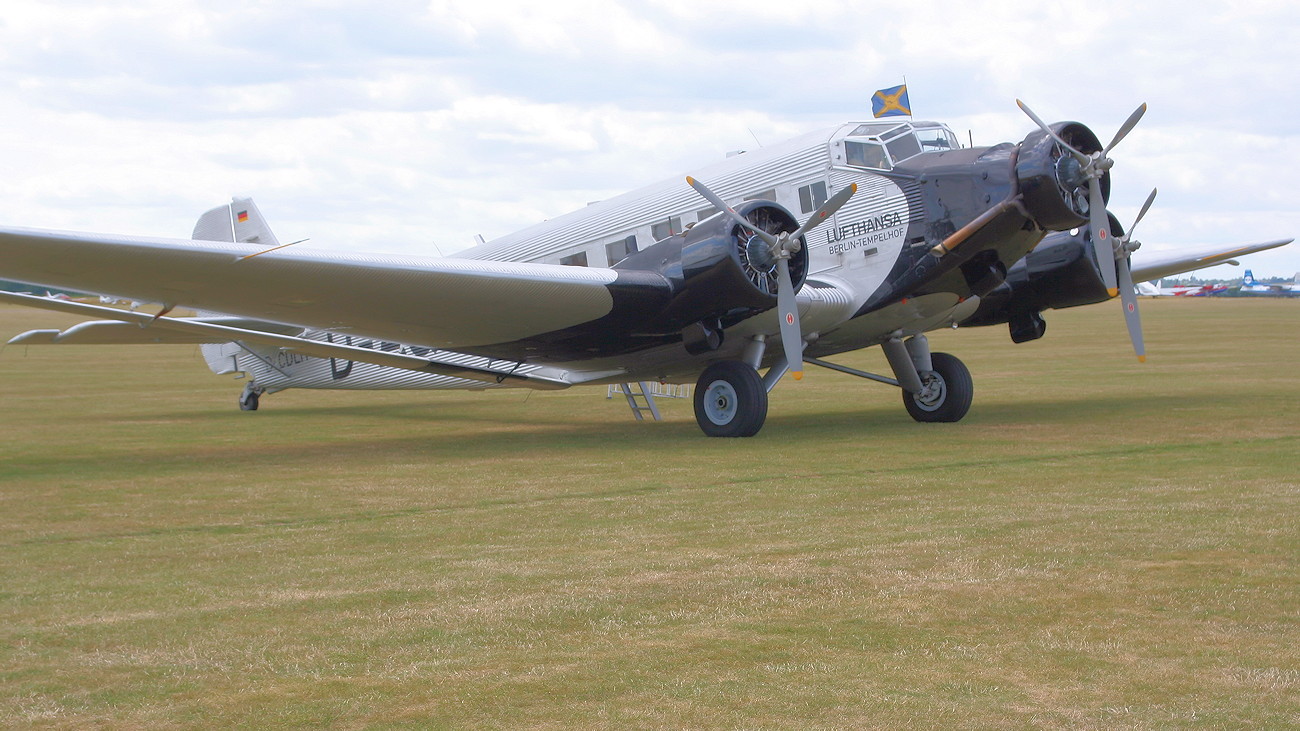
x=1060, y=272
x=720, y=272
x=1052, y=182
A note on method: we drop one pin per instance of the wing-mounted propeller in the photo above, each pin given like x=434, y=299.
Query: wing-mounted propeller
x=1125, y=245
x=1092, y=168
x=780, y=246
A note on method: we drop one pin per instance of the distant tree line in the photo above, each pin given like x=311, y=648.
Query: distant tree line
x=33, y=289
x=1232, y=281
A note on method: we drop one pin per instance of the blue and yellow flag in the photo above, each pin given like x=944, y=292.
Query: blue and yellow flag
x=891, y=102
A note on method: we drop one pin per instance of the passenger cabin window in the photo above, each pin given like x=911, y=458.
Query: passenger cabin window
x=575, y=260
x=767, y=195
x=811, y=197
x=619, y=250
x=664, y=229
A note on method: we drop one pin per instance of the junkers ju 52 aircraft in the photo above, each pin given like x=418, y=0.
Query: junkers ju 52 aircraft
x=899, y=231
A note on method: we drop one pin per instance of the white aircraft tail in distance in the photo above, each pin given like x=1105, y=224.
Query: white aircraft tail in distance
x=866, y=234
x=1253, y=287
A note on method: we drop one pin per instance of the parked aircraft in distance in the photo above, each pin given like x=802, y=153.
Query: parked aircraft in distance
x=1181, y=290
x=1251, y=287
x=865, y=234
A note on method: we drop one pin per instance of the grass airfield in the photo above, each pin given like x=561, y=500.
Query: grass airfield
x=1098, y=544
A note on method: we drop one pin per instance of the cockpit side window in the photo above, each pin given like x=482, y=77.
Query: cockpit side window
x=882, y=146
x=866, y=155
x=903, y=147
x=936, y=139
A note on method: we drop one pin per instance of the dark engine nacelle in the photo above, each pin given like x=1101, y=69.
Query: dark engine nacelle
x=720, y=271
x=1060, y=272
x=1051, y=179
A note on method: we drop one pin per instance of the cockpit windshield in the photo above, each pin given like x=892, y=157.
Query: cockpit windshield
x=882, y=145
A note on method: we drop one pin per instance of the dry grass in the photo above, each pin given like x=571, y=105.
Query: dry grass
x=1098, y=544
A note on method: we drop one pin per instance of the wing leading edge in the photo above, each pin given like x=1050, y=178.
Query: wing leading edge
x=1162, y=265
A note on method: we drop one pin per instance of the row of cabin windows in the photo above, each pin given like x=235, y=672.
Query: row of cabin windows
x=810, y=198
x=664, y=229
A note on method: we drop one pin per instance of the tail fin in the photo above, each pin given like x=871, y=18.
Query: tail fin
x=236, y=222
x=1249, y=279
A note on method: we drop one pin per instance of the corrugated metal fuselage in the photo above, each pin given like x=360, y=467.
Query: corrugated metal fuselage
x=860, y=261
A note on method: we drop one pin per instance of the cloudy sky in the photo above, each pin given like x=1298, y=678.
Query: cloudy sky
x=412, y=126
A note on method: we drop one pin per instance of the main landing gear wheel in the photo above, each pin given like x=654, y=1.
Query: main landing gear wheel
x=730, y=400
x=946, y=391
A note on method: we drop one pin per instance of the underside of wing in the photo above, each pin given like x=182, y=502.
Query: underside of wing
x=117, y=332
x=433, y=302
x=163, y=329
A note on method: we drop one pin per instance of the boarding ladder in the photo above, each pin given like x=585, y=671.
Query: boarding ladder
x=639, y=392
x=645, y=392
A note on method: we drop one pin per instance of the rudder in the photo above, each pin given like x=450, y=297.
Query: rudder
x=237, y=222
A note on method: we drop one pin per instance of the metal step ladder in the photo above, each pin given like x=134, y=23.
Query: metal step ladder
x=634, y=399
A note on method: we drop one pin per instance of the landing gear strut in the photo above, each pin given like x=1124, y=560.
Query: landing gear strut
x=936, y=387
x=730, y=400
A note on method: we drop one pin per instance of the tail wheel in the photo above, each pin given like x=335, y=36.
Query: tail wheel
x=248, y=400
x=730, y=400
x=946, y=391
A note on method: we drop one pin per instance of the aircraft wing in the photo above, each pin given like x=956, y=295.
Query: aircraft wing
x=1167, y=264
x=452, y=304
x=210, y=330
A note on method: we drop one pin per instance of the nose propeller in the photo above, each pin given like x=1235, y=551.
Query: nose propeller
x=781, y=247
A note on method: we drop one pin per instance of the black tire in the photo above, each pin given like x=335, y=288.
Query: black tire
x=249, y=402
x=730, y=400
x=948, y=395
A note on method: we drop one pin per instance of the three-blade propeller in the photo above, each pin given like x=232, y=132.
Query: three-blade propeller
x=783, y=246
x=1112, y=255
x=1127, y=292
x=1093, y=167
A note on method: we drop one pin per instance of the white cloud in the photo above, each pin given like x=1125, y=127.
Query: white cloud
x=394, y=124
